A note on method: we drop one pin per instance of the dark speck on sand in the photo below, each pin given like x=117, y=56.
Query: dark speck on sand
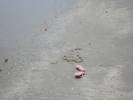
x=45, y=29
x=6, y=60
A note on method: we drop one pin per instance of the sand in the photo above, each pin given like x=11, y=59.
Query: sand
x=94, y=33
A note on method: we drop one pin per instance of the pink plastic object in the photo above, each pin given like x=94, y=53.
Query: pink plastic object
x=79, y=74
x=80, y=68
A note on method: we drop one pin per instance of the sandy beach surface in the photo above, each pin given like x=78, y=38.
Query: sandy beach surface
x=96, y=34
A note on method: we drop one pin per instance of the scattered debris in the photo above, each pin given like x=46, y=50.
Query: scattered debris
x=80, y=68
x=74, y=59
x=73, y=56
x=6, y=60
x=81, y=71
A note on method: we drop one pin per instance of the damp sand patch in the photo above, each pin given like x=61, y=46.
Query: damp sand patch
x=73, y=56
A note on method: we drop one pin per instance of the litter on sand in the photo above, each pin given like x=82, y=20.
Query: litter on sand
x=81, y=71
x=80, y=68
x=79, y=74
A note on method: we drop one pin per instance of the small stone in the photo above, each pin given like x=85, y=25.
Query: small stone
x=45, y=29
x=6, y=60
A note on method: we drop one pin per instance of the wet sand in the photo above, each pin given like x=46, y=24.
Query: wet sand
x=96, y=34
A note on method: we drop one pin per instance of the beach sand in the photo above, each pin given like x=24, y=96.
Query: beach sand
x=96, y=34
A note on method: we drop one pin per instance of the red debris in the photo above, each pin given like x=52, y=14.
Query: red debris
x=79, y=74
x=80, y=68
x=81, y=71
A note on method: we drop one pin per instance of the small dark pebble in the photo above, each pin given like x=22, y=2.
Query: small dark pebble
x=45, y=29
x=6, y=60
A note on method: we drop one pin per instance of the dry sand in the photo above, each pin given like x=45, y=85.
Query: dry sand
x=94, y=33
